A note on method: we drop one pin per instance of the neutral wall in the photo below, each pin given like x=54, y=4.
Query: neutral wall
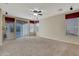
x=54, y=28
x=1, y=27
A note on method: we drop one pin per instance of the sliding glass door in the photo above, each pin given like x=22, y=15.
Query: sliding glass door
x=22, y=28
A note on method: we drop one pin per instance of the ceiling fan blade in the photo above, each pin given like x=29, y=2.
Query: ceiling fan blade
x=34, y=11
x=39, y=11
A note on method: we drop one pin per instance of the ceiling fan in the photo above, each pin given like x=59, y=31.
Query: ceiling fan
x=38, y=12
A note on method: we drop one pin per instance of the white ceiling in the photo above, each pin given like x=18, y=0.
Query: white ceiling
x=23, y=10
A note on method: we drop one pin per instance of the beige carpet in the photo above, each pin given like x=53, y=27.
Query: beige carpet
x=36, y=46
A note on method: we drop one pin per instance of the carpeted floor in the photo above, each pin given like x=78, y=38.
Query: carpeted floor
x=37, y=46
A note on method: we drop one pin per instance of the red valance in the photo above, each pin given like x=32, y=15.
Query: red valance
x=72, y=15
x=34, y=21
x=9, y=19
